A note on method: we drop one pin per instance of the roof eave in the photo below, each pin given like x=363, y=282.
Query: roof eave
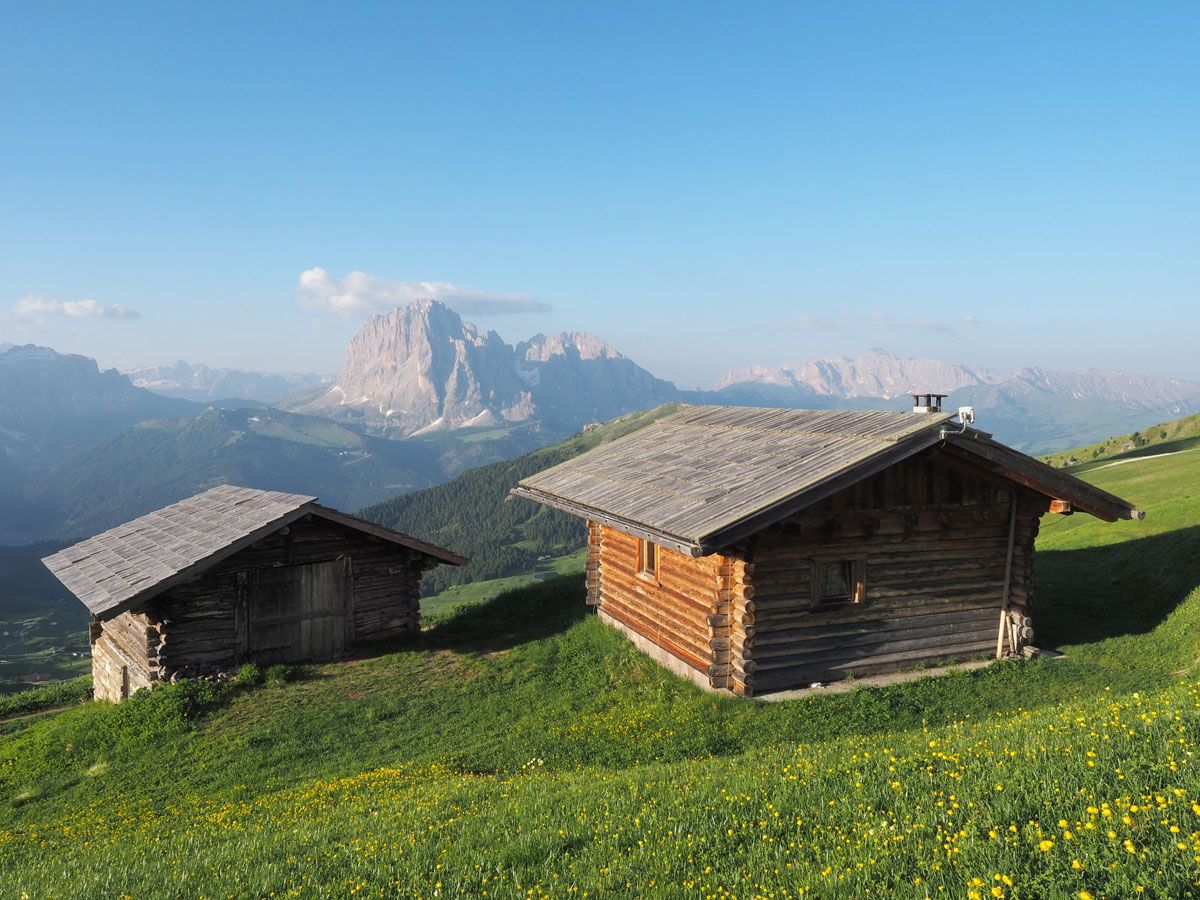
x=439, y=553
x=1038, y=476
x=635, y=529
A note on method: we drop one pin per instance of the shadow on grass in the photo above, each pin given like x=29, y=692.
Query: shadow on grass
x=515, y=617
x=1091, y=594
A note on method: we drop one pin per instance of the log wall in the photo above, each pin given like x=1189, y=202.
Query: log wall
x=934, y=537
x=671, y=610
x=124, y=656
x=688, y=608
x=207, y=625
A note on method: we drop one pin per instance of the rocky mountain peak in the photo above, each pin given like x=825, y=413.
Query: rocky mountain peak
x=577, y=344
x=422, y=367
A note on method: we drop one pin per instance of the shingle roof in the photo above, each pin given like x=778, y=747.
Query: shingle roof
x=131, y=563
x=709, y=475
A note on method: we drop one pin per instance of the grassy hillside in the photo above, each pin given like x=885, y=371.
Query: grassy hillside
x=474, y=515
x=1167, y=437
x=519, y=748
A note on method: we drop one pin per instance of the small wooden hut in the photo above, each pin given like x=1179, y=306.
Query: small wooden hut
x=234, y=575
x=761, y=550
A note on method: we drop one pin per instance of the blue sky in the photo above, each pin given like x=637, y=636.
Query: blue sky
x=704, y=185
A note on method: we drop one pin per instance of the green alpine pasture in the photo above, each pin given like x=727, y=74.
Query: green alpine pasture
x=517, y=748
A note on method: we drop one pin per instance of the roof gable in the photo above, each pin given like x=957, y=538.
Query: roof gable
x=134, y=562
x=708, y=476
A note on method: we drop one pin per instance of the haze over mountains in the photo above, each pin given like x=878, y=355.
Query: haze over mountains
x=53, y=404
x=1032, y=409
x=425, y=395
x=202, y=384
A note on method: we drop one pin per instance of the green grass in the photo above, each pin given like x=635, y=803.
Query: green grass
x=521, y=745
x=1169, y=437
x=459, y=595
x=521, y=748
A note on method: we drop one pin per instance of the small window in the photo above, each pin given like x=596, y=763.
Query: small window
x=647, y=559
x=840, y=582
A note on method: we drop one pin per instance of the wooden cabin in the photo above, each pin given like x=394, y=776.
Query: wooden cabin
x=761, y=550
x=235, y=575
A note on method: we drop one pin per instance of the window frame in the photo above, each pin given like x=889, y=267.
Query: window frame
x=855, y=574
x=649, y=558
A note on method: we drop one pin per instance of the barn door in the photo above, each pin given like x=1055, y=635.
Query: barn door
x=299, y=612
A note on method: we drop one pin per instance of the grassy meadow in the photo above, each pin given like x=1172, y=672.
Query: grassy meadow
x=520, y=749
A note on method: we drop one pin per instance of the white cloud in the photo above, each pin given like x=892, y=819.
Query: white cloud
x=813, y=323
x=940, y=325
x=359, y=293
x=35, y=309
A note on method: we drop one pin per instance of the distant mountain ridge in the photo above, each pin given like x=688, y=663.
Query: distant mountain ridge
x=876, y=373
x=422, y=376
x=883, y=375
x=421, y=368
x=197, y=382
x=53, y=404
x=1033, y=409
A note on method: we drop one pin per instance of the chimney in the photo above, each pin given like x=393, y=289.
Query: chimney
x=927, y=403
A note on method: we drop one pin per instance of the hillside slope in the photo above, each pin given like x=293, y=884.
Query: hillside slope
x=1165, y=437
x=52, y=405
x=523, y=749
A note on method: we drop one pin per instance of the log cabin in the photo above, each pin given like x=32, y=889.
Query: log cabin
x=760, y=550
x=236, y=575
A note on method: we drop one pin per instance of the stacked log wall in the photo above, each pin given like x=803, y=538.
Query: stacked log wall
x=201, y=622
x=679, y=611
x=386, y=596
x=934, y=537
x=592, y=569
x=125, y=656
x=739, y=618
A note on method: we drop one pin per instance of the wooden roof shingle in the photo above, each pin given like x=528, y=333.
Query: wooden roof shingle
x=132, y=563
x=708, y=476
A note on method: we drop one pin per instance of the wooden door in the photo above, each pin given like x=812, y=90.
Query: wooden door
x=299, y=612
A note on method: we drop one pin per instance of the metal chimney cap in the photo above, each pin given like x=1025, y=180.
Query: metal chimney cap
x=928, y=403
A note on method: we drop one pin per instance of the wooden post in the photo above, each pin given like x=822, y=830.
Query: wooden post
x=1012, y=535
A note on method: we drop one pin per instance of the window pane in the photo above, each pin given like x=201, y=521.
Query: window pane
x=835, y=581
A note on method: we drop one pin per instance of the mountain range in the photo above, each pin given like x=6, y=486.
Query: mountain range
x=425, y=395
x=53, y=404
x=1032, y=409
x=421, y=368
x=200, y=383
